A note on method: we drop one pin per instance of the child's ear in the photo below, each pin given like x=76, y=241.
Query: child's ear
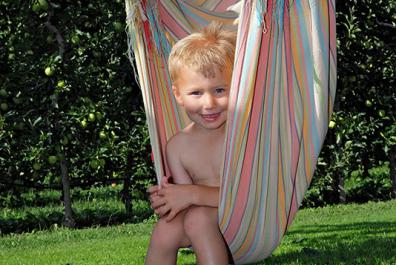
x=176, y=93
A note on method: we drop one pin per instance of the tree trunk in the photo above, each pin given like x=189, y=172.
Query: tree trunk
x=341, y=189
x=392, y=159
x=68, y=220
x=127, y=195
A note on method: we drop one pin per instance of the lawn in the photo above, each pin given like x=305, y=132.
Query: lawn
x=344, y=234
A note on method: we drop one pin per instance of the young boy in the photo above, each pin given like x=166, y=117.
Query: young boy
x=200, y=66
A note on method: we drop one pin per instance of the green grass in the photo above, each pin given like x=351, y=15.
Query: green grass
x=86, y=213
x=344, y=234
x=44, y=198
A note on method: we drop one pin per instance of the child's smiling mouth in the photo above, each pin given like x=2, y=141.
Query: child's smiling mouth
x=210, y=117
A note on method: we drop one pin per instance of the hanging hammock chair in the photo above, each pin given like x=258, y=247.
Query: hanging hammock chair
x=281, y=100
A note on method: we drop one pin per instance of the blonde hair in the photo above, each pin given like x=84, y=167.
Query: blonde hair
x=205, y=51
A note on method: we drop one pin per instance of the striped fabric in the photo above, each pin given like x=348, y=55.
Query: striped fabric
x=281, y=100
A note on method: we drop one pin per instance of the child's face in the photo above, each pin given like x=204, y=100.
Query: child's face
x=204, y=99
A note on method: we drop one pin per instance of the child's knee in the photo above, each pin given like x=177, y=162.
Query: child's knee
x=198, y=219
x=166, y=235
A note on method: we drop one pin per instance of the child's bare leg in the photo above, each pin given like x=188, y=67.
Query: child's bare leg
x=200, y=224
x=166, y=239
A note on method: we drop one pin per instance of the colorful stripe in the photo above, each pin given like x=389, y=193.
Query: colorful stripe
x=281, y=101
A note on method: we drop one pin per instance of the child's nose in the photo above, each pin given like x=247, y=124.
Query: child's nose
x=209, y=102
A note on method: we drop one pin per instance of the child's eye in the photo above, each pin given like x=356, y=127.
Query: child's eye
x=220, y=90
x=195, y=93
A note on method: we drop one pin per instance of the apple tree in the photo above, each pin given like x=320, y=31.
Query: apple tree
x=71, y=112
x=362, y=131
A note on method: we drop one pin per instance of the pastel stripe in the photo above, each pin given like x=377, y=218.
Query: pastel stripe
x=281, y=100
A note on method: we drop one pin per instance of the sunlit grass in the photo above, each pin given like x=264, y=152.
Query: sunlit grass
x=344, y=234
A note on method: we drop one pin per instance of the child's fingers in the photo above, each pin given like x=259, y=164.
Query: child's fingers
x=153, y=198
x=163, y=192
x=153, y=189
x=167, y=184
x=161, y=211
x=170, y=216
x=157, y=202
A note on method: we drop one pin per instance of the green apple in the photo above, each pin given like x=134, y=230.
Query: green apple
x=118, y=26
x=94, y=164
x=36, y=166
x=36, y=7
x=83, y=123
x=98, y=115
x=381, y=113
x=43, y=4
x=3, y=92
x=52, y=160
x=102, y=135
x=4, y=106
x=368, y=103
x=20, y=126
x=49, y=71
x=64, y=140
x=75, y=39
x=17, y=101
x=61, y=84
x=91, y=117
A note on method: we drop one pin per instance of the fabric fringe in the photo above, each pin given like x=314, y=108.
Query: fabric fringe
x=261, y=10
x=134, y=19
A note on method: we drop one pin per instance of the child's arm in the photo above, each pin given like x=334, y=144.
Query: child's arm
x=178, y=172
x=174, y=198
x=171, y=199
x=174, y=151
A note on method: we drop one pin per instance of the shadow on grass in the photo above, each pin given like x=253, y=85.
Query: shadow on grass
x=367, y=227
x=358, y=243
x=84, y=217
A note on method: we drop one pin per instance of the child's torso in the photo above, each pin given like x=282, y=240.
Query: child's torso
x=203, y=158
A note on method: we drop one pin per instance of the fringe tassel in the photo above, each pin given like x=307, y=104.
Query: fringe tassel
x=261, y=10
x=160, y=40
x=143, y=18
x=134, y=22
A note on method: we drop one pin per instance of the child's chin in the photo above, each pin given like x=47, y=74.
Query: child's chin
x=212, y=125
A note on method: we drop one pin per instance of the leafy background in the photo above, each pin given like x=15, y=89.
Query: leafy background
x=71, y=112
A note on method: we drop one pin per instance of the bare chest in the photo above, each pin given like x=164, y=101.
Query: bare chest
x=203, y=162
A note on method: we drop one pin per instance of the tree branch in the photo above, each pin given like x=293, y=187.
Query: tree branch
x=52, y=28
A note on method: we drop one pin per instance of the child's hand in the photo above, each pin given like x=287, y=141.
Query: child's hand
x=153, y=194
x=172, y=200
x=165, y=180
x=153, y=190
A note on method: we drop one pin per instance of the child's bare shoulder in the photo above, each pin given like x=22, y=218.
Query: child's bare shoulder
x=179, y=141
